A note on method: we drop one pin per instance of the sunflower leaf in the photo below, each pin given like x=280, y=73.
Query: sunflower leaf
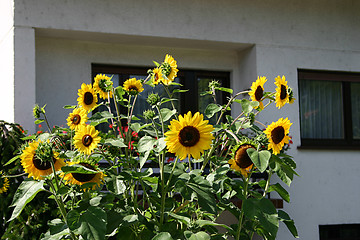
x=100, y=117
x=24, y=194
x=77, y=168
x=167, y=113
x=211, y=109
x=229, y=90
x=92, y=223
x=260, y=159
x=115, y=142
x=162, y=236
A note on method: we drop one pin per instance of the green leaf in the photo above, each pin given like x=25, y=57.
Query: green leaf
x=246, y=106
x=24, y=194
x=28, y=137
x=143, y=159
x=260, y=159
x=37, y=121
x=119, y=91
x=77, y=168
x=182, y=219
x=72, y=219
x=285, y=174
x=229, y=90
x=204, y=193
x=211, y=109
x=201, y=223
x=199, y=236
x=69, y=106
x=119, y=142
x=264, y=211
x=12, y=160
x=162, y=236
x=57, y=230
x=180, y=90
x=93, y=223
x=284, y=217
x=281, y=191
x=116, y=185
x=146, y=143
x=100, y=117
x=166, y=113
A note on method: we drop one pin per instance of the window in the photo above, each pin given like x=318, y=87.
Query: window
x=339, y=232
x=195, y=80
x=329, y=109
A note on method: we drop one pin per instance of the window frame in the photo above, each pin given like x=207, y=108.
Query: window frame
x=187, y=78
x=346, y=78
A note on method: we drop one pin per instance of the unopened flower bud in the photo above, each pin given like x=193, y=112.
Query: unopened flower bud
x=149, y=114
x=153, y=98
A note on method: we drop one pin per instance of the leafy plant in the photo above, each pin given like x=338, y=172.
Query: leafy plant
x=139, y=181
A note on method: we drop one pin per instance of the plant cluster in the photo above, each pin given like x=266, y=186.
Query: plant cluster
x=139, y=181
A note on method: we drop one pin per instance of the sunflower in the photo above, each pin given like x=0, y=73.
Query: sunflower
x=157, y=76
x=257, y=91
x=190, y=135
x=82, y=178
x=169, y=69
x=77, y=118
x=34, y=166
x=240, y=160
x=4, y=184
x=281, y=95
x=278, y=134
x=133, y=86
x=103, y=85
x=87, y=97
x=86, y=139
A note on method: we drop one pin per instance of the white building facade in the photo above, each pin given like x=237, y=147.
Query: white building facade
x=48, y=49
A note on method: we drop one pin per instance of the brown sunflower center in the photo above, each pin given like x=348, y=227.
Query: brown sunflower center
x=82, y=177
x=87, y=140
x=283, y=92
x=88, y=98
x=278, y=134
x=259, y=93
x=76, y=119
x=189, y=136
x=241, y=158
x=42, y=165
x=133, y=88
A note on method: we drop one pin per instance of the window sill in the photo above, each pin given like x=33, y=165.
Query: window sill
x=328, y=147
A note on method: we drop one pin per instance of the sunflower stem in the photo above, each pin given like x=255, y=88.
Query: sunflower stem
x=47, y=122
x=170, y=96
x=267, y=184
x=241, y=217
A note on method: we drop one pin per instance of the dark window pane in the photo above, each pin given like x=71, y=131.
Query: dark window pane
x=321, y=109
x=355, y=109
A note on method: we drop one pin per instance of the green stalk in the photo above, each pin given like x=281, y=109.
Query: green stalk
x=241, y=217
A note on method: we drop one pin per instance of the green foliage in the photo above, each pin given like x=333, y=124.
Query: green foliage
x=133, y=184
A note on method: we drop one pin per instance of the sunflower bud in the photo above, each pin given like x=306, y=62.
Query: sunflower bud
x=44, y=152
x=153, y=98
x=214, y=84
x=37, y=111
x=105, y=85
x=166, y=68
x=291, y=95
x=149, y=114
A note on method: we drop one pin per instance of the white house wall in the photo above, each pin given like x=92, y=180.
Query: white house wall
x=57, y=41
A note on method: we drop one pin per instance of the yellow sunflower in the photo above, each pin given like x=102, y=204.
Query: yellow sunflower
x=133, y=86
x=87, y=97
x=190, y=135
x=240, y=160
x=34, y=166
x=77, y=118
x=281, y=95
x=257, y=91
x=103, y=85
x=157, y=76
x=278, y=134
x=86, y=139
x=4, y=184
x=82, y=178
x=169, y=69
